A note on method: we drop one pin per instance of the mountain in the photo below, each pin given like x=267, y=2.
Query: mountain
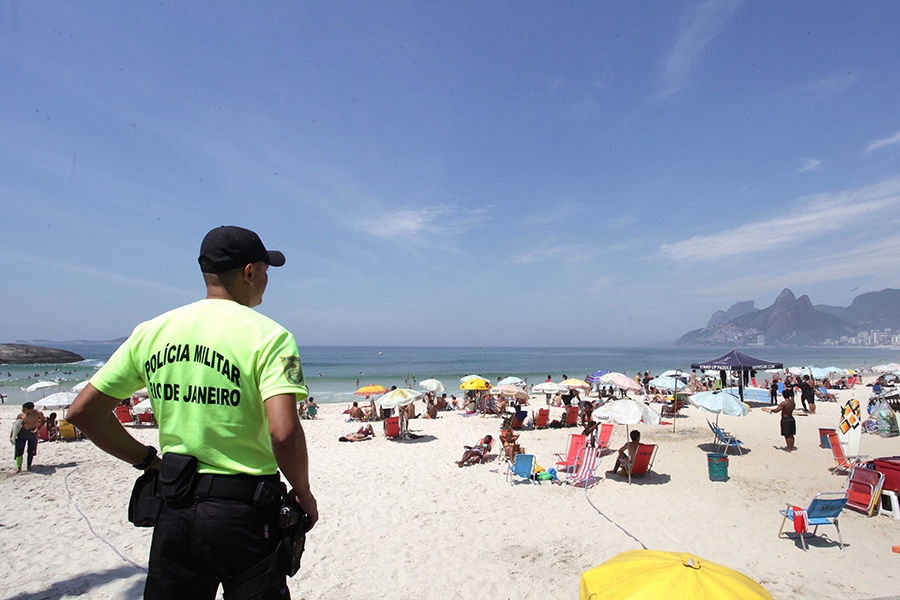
x=21, y=354
x=738, y=309
x=117, y=341
x=790, y=320
x=874, y=310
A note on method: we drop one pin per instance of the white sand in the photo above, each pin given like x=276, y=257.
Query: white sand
x=400, y=520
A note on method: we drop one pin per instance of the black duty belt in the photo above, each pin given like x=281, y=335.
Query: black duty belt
x=262, y=490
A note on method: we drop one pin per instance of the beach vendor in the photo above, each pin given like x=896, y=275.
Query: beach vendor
x=26, y=436
x=788, y=424
x=224, y=382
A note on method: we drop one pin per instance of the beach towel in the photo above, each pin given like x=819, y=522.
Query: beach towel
x=801, y=520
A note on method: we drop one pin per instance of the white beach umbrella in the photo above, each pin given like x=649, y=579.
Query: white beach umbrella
x=470, y=377
x=626, y=412
x=432, y=385
x=142, y=407
x=41, y=385
x=398, y=397
x=54, y=401
x=667, y=383
x=80, y=386
x=510, y=381
x=548, y=387
x=607, y=378
x=678, y=373
x=505, y=390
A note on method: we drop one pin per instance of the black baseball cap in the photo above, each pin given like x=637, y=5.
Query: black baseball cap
x=229, y=247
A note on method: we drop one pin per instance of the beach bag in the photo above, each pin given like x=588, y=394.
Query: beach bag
x=887, y=420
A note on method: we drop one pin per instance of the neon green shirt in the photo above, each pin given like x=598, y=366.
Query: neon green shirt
x=208, y=368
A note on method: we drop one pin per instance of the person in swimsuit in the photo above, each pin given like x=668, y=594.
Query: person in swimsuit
x=474, y=454
x=27, y=437
x=360, y=435
x=788, y=424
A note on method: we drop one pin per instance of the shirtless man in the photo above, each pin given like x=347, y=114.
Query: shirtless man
x=788, y=424
x=360, y=435
x=626, y=453
x=31, y=422
x=356, y=412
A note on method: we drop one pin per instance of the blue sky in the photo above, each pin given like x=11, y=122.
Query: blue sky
x=505, y=173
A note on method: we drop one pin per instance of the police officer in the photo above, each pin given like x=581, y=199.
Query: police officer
x=224, y=382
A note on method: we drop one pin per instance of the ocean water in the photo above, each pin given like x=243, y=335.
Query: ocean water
x=332, y=372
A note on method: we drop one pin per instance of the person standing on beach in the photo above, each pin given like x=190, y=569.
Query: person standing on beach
x=807, y=395
x=224, y=382
x=27, y=436
x=788, y=424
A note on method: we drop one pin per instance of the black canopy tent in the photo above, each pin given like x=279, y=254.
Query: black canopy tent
x=737, y=361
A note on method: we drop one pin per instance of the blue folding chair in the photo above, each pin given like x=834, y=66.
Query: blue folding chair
x=824, y=509
x=522, y=467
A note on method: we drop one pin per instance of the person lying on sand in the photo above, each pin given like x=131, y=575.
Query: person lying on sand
x=626, y=454
x=361, y=435
x=475, y=454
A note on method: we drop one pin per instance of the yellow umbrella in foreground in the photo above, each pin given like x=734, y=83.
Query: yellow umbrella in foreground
x=475, y=384
x=370, y=390
x=651, y=574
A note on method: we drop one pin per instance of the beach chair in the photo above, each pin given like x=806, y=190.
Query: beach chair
x=725, y=439
x=670, y=410
x=863, y=490
x=43, y=434
x=522, y=467
x=576, y=443
x=643, y=461
x=146, y=419
x=585, y=465
x=518, y=419
x=571, y=416
x=392, y=427
x=542, y=420
x=753, y=382
x=824, y=509
x=123, y=413
x=311, y=411
x=843, y=463
x=603, y=436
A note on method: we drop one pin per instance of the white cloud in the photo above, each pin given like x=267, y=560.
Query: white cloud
x=697, y=30
x=557, y=251
x=877, y=260
x=833, y=82
x=809, y=164
x=883, y=143
x=810, y=218
x=415, y=225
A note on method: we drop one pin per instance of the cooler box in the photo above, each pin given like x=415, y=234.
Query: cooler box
x=890, y=467
x=718, y=466
x=823, y=437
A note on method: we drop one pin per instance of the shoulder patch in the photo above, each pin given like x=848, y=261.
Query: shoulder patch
x=292, y=370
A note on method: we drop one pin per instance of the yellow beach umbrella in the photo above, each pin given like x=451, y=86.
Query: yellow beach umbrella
x=475, y=384
x=370, y=390
x=651, y=574
x=576, y=383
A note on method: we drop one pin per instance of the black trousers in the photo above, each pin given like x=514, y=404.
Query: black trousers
x=27, y=438
x=200, y=545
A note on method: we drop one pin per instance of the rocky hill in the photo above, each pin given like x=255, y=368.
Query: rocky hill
x=795, y=321
x=22, y=354
x=738, y=309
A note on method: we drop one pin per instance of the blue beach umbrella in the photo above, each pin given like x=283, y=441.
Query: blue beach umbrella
x=667, y=383
x=596, y=375
x=720, y=403
x=509, y=381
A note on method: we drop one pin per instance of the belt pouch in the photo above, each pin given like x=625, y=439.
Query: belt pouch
x=146, y=503
x=177, y=476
